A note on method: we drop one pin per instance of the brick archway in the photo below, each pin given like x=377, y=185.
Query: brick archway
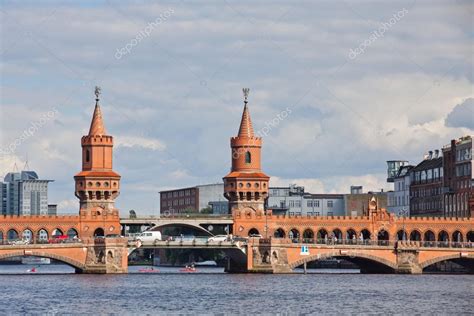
x=355, y=254
x=69, y=261
x=432, y=261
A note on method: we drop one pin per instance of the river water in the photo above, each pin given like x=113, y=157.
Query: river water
x=54, y=289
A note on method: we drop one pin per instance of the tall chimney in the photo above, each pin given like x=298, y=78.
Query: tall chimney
x=430, y=154
x=436, y=153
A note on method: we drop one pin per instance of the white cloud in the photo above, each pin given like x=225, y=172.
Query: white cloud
x=69, y=206
x=143, y=142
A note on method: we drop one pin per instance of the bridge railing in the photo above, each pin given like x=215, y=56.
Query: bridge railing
x=22, y=242
x=381, y=243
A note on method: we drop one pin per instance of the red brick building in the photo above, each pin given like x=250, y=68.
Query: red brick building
x=426, y=198
x=458, y=178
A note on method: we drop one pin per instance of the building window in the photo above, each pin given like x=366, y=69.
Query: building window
x=297, y=203
x=330, y=204
x=309, y=203
x=292, y=203
x=248, y=157
x=88, y=155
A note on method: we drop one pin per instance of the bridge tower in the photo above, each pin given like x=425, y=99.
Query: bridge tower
x=97, y=185
x=246, y=186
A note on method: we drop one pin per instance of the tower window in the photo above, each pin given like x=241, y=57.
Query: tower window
x=88, y=155
x=248, y=157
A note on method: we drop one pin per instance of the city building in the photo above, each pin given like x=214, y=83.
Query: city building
x=399, y=199
x=23, y=193
x=52, y=209
x=219, y=207
x=357, y=203
x=458, y=178
x=293, y=200
x=393, y=167
x=426, y=184
x=191, y=199
x=357, y=189
x=3, y=198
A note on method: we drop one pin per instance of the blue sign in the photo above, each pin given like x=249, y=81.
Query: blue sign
x=304, y=251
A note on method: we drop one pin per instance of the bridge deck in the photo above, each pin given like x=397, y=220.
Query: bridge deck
x=191, y=244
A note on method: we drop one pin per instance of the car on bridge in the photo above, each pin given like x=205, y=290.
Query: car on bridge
x=218, y=238
x=149, y=236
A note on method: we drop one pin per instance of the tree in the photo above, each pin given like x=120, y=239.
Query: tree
x=206, y=210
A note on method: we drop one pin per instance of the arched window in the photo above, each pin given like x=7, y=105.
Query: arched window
x=99, y=232
x=248, y=157
x=71, y=233
x=88, y=155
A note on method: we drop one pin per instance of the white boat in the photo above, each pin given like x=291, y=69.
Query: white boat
x=35, y=260
x=209, y=263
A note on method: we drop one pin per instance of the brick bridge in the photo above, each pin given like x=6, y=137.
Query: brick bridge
x=378, y=242
x=90, y=255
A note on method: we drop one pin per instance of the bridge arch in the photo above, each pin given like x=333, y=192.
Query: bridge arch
x=69, y=261
x=322, y=234
x=470, y=236
x=12, y=234
x=350, y=234
x=99, y=232
x=27, y=234
x=294, y=234
x=354, y=256
x=366, y=234
x=279, y=233
x=57, y=232
x=453, y=256
x=402, y=235
x=308, y=234
x=457, y=236
x=443, y=236
x=72, y=232
x=429, y=236
x=415, y=235
x=337, y=233
x=42, y=235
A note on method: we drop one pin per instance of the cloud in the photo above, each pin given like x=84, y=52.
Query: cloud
x=143, y=142
x=70, y=206
x=462, y=115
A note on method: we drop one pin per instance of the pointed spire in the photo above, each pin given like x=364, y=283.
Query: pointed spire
x=246, y=129
x=97, y=124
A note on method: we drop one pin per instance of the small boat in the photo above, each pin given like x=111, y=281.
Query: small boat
x=188, y=269
x=32, y=270
x=148, y=270
x=210, y=263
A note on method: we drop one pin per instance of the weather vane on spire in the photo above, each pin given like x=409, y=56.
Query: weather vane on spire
x=97, y=92
x=246, y=93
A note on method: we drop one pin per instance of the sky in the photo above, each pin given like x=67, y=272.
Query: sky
x=336, y=89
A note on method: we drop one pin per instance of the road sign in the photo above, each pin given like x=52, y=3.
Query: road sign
x=304, y=251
